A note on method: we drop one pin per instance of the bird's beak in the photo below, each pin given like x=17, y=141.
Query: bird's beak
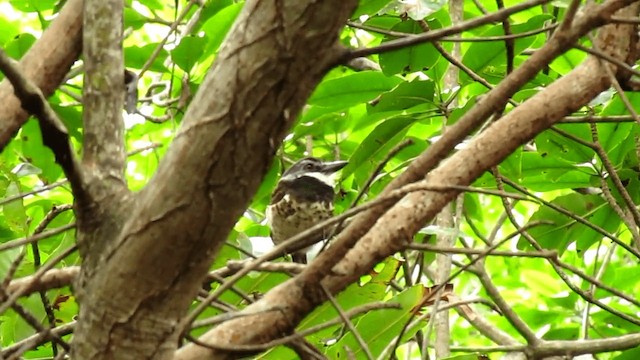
x=333, y=166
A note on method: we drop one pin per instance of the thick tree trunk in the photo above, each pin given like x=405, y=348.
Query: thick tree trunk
x=150, y=251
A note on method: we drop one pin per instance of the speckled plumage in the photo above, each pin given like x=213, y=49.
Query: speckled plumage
x=303, y=197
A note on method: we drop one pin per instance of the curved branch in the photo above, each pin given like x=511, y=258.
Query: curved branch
x=46, y=64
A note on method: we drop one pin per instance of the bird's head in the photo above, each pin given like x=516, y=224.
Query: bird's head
x=311, y=167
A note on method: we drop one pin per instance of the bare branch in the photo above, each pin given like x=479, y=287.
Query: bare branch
x=54, y=133
x=440, y=33
x=51, y=279
x=46, y=64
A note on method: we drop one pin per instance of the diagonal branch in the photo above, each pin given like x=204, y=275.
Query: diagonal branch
x=46, y=64
x=54, y=133
x=435, y=35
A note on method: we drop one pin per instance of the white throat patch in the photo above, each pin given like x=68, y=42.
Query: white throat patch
x=324, y=178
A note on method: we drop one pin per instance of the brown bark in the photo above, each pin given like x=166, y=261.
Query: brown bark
x=155, y=247
x=396, y=227
x=46, y=63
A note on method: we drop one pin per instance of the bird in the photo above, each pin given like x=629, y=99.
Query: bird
x=302, y=198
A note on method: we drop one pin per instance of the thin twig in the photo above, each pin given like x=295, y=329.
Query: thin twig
x=13, y=297
x=440, y=33
x=29, y=239
x=347, y=321
x=302, y=333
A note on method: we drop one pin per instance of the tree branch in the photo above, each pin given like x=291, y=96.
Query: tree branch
x=440, y=33
x=46, y=64
x=103, y=97
x=154, y=265
x=54, y=133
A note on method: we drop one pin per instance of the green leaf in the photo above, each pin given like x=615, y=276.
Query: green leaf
x=568, y=61
x=631, y=354
x=378, y=142
x=135, y=57
x=405, y=95
x=72, y=119
x=409, y=59
x=552, y=144
x=369, y=7
x=566, y=230
x=545, y=173
x=352, y=89
x=14, y=211
x=134, y=19
x=489, y=56
x=212, y=8
x=9, y=30
x=217, y=27
x=567, y=332
x=37, y=154
x=541, y=282
x=33, y=5
x=603, y=217
x=187, y=53
x=378, y=328
x=476, y=356
x=19, y=46
x=617, y=138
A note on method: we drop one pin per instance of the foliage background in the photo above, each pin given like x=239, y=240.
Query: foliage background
x=361, y=116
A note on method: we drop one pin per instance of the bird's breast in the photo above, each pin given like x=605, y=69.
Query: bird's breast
x=289, y=217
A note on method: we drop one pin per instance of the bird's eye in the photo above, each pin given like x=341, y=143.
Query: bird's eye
x=308, y=166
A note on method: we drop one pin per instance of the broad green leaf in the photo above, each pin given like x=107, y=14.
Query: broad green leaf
x=631, y=354
x=369, y=7
x=542, y=282
x=566, y=332
x=134, y=19
x=565, y=230
x=19, y=46
x=623, y=277
x=37, y=154
x=33, y=5
x=483, y=57
x=154, y=4
x=378, y=328
x=72, y=119
x=9, y=30
x=568, y=61
x=616, y=138
x=476, y=356
x=585, y=237
x=544, y=173
x=410, y=59
x=550, y=143
x=354, y=295
x=217, y=27
x=379, y=141
x=187, y=53
x=352, y=89
x=212, y=8
x=404, y=96
x=136, y=56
